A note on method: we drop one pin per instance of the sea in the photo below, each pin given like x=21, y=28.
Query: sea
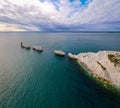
x=31, y=79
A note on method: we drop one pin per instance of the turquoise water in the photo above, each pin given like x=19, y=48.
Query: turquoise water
x=29, y=79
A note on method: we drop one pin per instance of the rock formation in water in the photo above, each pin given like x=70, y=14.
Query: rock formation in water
x=105, y=65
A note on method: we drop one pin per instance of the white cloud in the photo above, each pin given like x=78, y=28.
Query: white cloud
x=60, y=15
x=101, y=11
x=10, y=27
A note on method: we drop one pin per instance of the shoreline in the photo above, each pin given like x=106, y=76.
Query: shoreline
x=102, y=83
x=103, y=67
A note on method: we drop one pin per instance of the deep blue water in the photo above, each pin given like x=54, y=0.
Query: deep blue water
x=29, y=79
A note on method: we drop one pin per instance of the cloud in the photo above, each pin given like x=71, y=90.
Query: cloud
x=59, y=15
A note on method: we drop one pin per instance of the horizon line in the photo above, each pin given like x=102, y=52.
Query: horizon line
x=60, y=31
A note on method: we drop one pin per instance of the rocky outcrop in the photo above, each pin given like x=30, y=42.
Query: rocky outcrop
x=72, y=56
x=38, y=48
x=59, y=52
x=103, y=64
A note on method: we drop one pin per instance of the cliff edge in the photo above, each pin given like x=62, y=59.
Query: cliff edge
x=104, y=65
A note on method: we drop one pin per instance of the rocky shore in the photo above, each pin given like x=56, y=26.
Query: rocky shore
x=104, y=65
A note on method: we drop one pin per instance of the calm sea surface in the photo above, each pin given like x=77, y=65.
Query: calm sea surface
x=29, y=79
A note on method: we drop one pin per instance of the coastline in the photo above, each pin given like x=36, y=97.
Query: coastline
x=100, y=81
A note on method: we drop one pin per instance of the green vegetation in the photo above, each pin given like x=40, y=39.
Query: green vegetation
x=115, y=58
x=104, y=80
x=108, y=85
x=104, y=68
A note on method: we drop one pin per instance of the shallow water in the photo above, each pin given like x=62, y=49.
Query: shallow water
x=29, y=79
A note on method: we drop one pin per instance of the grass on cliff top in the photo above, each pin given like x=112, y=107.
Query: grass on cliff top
x=115, y=58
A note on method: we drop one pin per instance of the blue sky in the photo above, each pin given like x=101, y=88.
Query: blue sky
x=59, y=15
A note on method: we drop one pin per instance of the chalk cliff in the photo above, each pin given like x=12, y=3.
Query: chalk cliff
x=103, y=64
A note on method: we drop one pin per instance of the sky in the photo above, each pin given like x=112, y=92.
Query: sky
x=59, y=15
